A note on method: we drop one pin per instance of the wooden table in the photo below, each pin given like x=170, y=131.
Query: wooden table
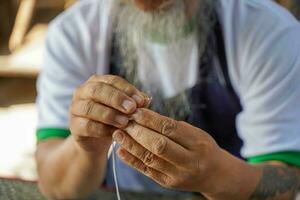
x=20, y=190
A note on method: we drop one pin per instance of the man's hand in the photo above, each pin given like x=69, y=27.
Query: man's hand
x=174, y=154
x=99, y=106
x=179, y=156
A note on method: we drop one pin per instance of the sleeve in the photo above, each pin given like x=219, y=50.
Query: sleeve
x=269, y=86
x=65, y=68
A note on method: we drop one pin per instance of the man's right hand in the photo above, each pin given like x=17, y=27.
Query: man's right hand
x=99, y=107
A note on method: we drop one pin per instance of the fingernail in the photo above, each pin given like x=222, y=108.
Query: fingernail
x=118, y=137
x=148, y=100
x=138, y=99
x=122, y=120
x=146, y=96
x=129, y=105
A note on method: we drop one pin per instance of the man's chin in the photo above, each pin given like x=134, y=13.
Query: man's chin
x=151, y=5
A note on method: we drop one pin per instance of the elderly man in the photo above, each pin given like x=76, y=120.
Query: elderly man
x=182, y=86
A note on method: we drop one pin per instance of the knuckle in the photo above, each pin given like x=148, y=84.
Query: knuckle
x=139, y=165
x=93, y=89
x=107, y=95
x=137, y=132
x=168, y=127
x=166, y=181
x=160, y=146
x=145, y=115
x=130, y=90
x=145, y=169
x=206, y=145
x=88, y=108
x=148, y=158
x=110, y=79
x=89, y=126
x=207, y=148
x=127, y=87
x=113, y=97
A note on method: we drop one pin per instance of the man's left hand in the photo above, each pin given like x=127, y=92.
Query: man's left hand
x=173, y=153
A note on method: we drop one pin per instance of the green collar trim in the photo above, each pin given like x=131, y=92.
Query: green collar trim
x=288, y=157
x=47, y=133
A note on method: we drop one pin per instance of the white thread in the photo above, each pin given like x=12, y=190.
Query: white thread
x=115, y=170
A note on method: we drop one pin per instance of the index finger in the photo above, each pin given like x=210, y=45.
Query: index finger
x=121, y=84
x=175, y=130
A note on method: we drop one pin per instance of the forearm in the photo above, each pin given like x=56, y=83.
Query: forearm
x=270, y=181
x=278, y=182
x=67, y=172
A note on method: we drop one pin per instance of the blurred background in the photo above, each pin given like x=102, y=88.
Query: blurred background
x=22, y=29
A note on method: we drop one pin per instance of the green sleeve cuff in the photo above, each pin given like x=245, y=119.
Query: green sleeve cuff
x=46, y=133
x=288, y=157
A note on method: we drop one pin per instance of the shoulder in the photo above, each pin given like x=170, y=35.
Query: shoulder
x=83, y=32
x=258, y=35
x=81, y=18
x=263, y=51
x=84, y=12
x=252, y=10
x=79, y=34
x=251, y=23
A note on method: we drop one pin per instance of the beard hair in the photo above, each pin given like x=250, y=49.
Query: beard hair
x=134, y=27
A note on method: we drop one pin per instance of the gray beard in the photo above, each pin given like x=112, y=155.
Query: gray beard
x=134, y=26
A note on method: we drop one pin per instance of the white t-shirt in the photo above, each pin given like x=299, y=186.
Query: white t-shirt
x=262, y=42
